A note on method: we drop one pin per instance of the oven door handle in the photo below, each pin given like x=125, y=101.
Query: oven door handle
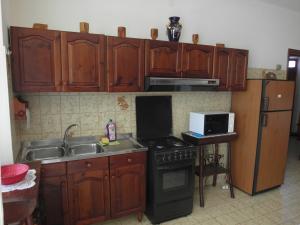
x=175, y=167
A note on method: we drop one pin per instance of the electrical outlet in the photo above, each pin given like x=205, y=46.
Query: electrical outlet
x=278, y=67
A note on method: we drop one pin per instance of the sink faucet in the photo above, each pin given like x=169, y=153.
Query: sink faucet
x=66, y=135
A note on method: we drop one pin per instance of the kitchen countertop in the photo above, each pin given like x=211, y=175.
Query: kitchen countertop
x=127, y=145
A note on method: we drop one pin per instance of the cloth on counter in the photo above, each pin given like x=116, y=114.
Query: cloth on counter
x=26, y=183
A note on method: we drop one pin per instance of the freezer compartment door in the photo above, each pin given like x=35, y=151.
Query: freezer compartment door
x=278, y=95
x=275, y=127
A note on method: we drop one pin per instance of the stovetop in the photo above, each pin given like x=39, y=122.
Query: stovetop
x=164, y=143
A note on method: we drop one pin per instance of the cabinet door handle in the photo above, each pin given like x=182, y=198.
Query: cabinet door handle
x=129, y=160
x=105, y=178
x=113, y=177
x=266, y=102
x=88, y=164
x=265, y=120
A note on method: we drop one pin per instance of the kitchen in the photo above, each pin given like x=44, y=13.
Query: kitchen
x=50, y=112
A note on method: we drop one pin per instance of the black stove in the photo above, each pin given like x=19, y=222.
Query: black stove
x=164, y=143
x=171, y=161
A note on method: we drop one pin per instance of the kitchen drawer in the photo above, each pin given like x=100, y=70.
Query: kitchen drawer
x=87, y=165
x=127, y=159
x=54, y=169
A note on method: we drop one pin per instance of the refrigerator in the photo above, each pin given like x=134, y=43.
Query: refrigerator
x=263, y=119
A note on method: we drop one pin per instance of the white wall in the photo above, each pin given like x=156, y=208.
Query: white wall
x=296, y=101
x=266, y=30
x=6, y=153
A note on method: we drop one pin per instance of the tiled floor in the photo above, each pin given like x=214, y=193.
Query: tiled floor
x=279, y=206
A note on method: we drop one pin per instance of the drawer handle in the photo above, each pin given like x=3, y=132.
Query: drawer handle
x=129, y=160
x=113, y=177
x=279, y=96
x=88, y=164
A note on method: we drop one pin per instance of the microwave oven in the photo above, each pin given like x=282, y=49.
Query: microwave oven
x=209, y=123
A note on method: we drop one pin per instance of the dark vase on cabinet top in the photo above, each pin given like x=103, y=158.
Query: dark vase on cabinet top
x=174, y=28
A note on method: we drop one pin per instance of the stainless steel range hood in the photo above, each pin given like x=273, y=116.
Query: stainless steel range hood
x=180, y=84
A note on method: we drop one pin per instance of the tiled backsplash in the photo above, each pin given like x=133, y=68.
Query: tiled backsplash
x=51, y=113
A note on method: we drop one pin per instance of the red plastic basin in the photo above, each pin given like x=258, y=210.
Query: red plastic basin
x=14, y=173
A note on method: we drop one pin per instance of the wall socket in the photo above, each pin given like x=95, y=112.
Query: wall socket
x=278, y=67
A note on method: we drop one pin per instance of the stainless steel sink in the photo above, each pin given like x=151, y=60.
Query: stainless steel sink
x=43, y=153
x=85, y=149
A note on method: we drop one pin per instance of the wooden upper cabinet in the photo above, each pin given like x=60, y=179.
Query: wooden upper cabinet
x=239, y=68
x=125, y=64
x=83, y=61
x=36, y=60
x=222, y=67
x=163, y=58
x=127, y=180
x=197, y=61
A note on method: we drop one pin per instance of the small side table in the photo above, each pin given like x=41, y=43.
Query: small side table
x=19, y=205
x=202, y=171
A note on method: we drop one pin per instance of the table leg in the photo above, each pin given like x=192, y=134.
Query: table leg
x=216, y=162
x=201, y=175
x=229, y=170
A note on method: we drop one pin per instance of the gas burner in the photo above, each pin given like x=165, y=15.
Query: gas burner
x=178, y=144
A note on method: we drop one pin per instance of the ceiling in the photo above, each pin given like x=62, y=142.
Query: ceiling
x=289, y=4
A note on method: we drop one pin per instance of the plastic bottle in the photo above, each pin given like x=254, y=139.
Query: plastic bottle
x=111, y=130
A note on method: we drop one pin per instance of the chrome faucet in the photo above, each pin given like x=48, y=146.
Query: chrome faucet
x=66, y=135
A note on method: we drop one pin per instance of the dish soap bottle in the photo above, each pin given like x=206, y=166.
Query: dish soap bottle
x=111, y=131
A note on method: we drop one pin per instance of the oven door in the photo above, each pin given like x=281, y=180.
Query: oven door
x=175, y=181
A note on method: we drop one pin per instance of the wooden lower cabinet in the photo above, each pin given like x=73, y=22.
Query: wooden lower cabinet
x=89, y=197
x=88, y=191
x=127, y=182
x=54, y=195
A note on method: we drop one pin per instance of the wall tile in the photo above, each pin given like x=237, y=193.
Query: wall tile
x=67, y=120
x=70, y=103
x=50, y=104
x=107, y=102
x=123, y=102
x=89, y=103
x=51, y=124
x=89, y=121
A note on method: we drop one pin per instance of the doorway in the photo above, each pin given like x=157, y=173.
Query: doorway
x=293, y=73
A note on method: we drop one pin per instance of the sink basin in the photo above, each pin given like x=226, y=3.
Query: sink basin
x=42, y=153
x=85, y=149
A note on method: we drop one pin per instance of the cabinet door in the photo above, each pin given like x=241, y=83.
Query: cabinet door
x=82, y=61
x=279, y=95
x=222, y=67
x=125, y=64
x=239, y=68
x=89, y=197
x=36, y=60
x=197, y=61
x=127, y=180
x=273, y=149
x=54, y=200
x=163, y=58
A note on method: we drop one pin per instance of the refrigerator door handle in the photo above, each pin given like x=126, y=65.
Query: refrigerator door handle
x=265, y=120
x=266, y=101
